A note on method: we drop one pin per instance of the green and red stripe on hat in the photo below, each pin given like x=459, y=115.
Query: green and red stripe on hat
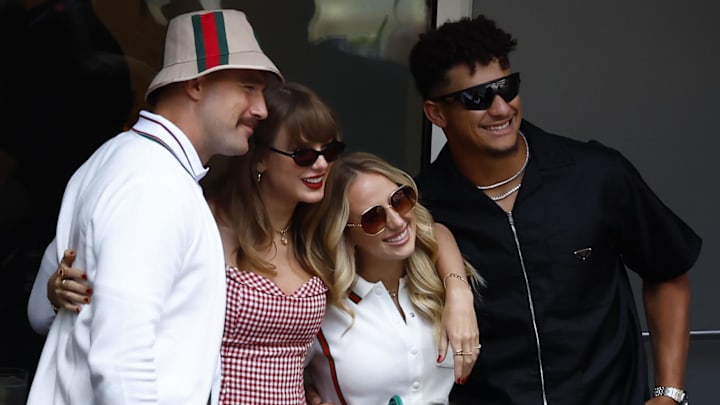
x=211, y=45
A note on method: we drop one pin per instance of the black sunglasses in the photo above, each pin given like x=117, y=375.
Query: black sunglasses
x=308, y=156
x=374, y=219
x=481, y=97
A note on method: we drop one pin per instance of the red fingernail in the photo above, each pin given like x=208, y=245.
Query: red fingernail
x=77, y=310
x=459, y=381
x=87, y=299
x=88, y=291
x=71, y=253
x=439, y=358
x=84, y=276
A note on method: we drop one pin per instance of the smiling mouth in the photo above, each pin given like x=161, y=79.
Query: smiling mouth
x=402, y=235
x=314, y=183
x=313, y=180
x=248, y=128
x=251, y=125
x=496, y=128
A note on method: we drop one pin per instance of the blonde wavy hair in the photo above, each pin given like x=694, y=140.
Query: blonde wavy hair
x=232, y=187
x=329, y=249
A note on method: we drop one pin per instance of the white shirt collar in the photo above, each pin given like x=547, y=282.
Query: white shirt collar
x=362, y=287
x=161, y=130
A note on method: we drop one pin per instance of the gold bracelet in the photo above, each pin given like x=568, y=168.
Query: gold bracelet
x=454, y=275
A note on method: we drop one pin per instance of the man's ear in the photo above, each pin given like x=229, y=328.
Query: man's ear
x=192, y=87
x=434, y=113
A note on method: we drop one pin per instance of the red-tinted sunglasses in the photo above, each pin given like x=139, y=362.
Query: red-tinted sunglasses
x=374, y=219
x=308, y=156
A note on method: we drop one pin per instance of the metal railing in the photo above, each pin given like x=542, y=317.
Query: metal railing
x=697, y=334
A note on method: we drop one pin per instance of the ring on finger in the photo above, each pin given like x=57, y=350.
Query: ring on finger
x=478, y=346
x=62, y=283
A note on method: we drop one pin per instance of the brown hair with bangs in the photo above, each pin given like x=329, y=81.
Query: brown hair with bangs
x=305, y=117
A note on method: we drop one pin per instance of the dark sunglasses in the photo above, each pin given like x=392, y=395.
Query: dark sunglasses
x=308, y=156
x=374, y=219
x=481, y=97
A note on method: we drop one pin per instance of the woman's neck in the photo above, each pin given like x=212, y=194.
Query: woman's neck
x=388, y=272
x=280, y=211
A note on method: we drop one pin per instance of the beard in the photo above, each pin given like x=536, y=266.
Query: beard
x=500, y=153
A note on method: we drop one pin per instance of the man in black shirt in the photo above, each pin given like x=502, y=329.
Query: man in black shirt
x=552, y=224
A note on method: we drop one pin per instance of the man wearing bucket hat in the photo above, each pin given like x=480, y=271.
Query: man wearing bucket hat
x=154, y=330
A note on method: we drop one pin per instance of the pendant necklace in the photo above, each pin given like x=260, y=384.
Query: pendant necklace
x=283, y=234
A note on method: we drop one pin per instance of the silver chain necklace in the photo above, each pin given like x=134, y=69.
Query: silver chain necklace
x=505, y=194
x=514, y=176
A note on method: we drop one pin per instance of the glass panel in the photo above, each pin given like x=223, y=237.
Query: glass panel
x=380, y=29
x=353, y=54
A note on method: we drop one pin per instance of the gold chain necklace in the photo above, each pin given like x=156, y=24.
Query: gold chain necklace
x=283, y=234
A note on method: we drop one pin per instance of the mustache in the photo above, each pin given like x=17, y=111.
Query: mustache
x=251, y=122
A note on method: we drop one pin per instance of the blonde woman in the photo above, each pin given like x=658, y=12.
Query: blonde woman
x=379, y=250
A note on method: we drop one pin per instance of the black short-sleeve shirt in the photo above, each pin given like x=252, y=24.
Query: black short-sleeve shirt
x=582, y=217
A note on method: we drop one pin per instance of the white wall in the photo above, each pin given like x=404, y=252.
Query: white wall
x=447, y=10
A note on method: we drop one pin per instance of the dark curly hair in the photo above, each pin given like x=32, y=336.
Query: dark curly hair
x=468, y=41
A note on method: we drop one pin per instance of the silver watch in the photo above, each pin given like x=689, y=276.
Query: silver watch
x=677, y=394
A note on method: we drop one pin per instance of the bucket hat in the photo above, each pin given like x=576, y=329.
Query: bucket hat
x=206, y=41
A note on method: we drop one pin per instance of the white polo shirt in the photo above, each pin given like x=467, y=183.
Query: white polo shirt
x=381, y=355
x=143, y=232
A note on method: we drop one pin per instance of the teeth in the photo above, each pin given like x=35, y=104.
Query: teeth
x=314, y=180
x=498, y=127
x=399, y=237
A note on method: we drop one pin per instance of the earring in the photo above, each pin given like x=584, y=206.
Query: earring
x=258, y=177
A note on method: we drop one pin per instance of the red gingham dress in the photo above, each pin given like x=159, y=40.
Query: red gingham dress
x=266, y=337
